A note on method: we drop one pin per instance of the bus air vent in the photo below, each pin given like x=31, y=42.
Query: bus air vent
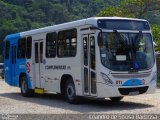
x=127, y=91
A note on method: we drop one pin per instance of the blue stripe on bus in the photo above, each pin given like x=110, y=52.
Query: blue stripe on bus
x=11, y=37
x=132, y=82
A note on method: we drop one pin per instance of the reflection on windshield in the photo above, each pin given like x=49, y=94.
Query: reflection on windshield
x=126, y=51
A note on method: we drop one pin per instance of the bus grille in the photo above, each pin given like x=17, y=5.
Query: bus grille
x=126, y=91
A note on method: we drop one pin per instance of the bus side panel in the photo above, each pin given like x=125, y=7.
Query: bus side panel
x=7, y=68
x=21, y=69
x=9, y=78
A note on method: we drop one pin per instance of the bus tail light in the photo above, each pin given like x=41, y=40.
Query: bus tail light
x=106, y=79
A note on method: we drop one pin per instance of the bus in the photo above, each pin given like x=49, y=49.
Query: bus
x=98, y=57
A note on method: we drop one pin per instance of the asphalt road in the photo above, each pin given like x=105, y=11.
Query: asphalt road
x=11, y=102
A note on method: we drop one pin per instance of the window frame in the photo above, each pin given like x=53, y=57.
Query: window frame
x=73, y=33
x=30, y=54
x=55, y=45
x=19, y=48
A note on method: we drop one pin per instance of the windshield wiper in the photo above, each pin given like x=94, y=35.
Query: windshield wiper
x=137, y=40
x=121, y=38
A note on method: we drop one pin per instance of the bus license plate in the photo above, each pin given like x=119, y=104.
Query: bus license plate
x=134, y=93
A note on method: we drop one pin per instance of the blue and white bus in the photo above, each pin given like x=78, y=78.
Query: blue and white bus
x=99, y=57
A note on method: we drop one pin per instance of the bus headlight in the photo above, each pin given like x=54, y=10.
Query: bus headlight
x=106, y=79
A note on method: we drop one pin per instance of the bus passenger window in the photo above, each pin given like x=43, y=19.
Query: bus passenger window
x=51, y=45
x=85, y=48
x=67, y=43
x=7, y=50
x=29, y=47
x=36, y=53
x=21, y=48
x=41, y=52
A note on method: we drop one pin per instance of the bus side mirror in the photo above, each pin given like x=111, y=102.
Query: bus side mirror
x=100, y=40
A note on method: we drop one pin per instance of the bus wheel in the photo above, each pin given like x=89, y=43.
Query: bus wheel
x=70, y=92
x=116, y=99
x=25, y=91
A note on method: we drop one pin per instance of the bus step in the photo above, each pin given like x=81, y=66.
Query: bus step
x=39, y=90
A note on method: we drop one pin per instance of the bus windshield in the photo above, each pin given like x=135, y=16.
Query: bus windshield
x=127, y=51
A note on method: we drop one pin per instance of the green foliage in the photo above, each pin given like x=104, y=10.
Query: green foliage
x=156, y=35
x=22, y=15
x=115, y=11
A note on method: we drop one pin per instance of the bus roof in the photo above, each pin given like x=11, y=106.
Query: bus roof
x=87, y=21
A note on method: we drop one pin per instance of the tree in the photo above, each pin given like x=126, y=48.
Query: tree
x=132, y=8
x=156, y=35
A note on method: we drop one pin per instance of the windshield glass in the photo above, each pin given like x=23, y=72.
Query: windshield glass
x=127, y=51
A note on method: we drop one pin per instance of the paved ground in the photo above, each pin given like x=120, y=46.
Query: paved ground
x=11, y=102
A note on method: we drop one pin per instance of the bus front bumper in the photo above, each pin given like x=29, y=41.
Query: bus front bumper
x=117, y=91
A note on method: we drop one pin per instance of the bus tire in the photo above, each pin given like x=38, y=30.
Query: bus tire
x=25, y=91
x=70, y=92
x=116, y=99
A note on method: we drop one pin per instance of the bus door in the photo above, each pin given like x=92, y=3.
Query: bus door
x=13, y=64
x=38, y=61
x=89, y=68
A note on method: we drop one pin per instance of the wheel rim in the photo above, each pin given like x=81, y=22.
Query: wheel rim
x=70, y=91
x=24, y=86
